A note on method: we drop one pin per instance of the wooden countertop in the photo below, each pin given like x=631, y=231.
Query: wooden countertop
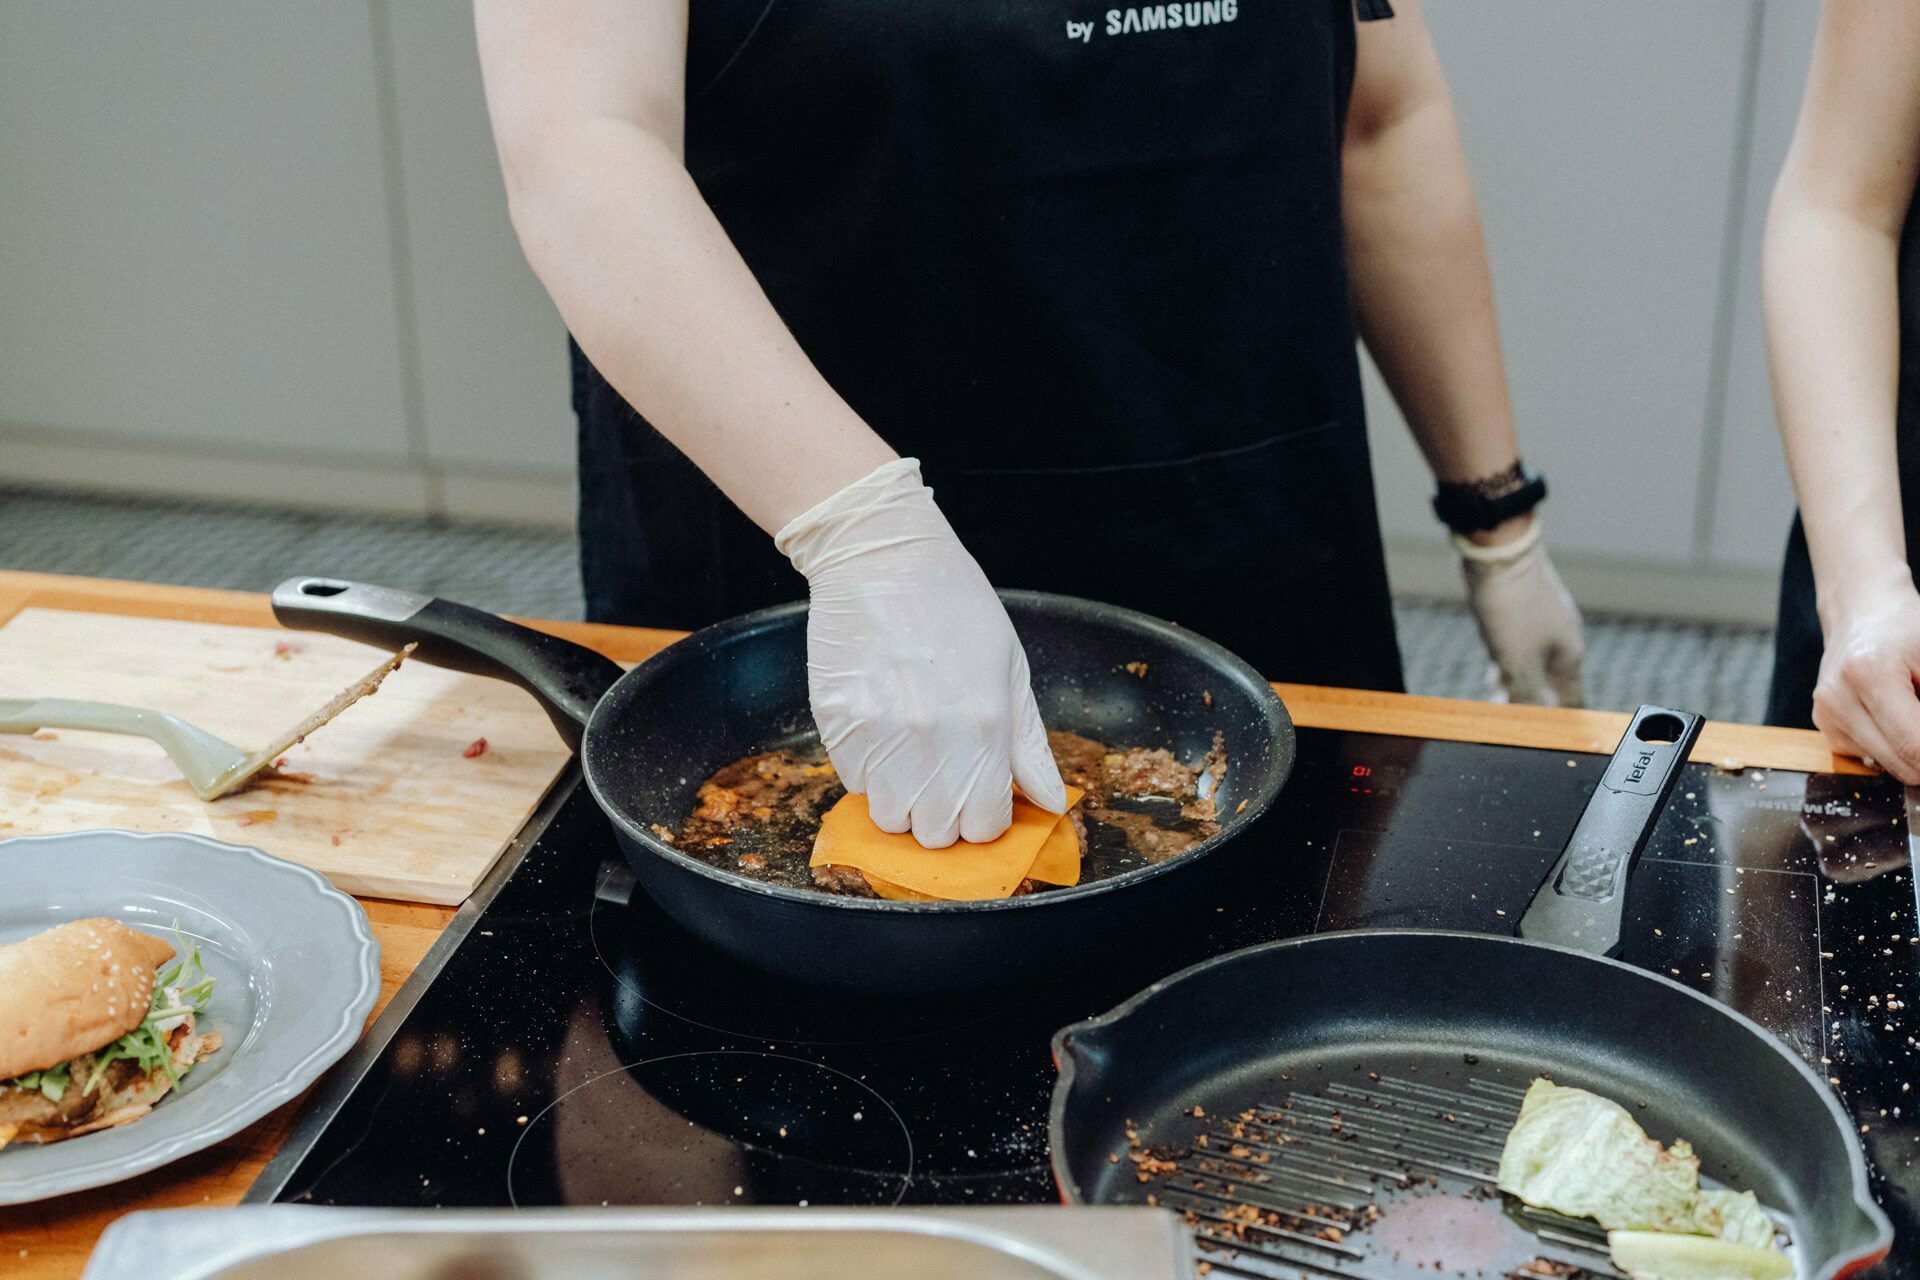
x=53, y=1238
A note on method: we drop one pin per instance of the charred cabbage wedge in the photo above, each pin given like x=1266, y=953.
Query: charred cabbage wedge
x=1583, y=1155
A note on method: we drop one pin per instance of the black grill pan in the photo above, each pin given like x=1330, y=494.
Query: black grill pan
x=1335, y=1105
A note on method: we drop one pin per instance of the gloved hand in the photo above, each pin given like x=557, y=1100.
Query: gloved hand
x=1527, y=619
x=918, y=682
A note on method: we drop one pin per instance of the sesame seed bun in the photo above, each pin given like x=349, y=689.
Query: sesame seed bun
x=73, y=989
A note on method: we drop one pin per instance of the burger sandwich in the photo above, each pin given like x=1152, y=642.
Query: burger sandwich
x=97, y=1023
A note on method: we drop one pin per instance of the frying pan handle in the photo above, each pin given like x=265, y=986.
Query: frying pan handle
x=567, y=678
x=1584, y=900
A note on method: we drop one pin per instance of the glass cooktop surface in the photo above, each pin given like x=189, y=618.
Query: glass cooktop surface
x=578, y=1047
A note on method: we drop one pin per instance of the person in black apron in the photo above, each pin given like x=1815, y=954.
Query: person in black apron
x=1843, y=239
x=1089, y=266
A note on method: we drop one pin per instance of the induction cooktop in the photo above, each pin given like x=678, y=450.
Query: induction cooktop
x=566, y=1043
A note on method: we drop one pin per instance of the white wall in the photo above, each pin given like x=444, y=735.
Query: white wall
x=1623, y=155
x=263, y=250
x=1750, y=491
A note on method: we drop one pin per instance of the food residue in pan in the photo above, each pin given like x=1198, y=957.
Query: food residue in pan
x=1568, y=1151
x=758, y=816
x=1232, y=1183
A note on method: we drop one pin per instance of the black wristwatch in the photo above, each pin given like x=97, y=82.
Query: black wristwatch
x=1474, y=506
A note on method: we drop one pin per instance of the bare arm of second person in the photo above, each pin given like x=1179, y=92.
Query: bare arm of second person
x=1423, y=298
x=1833, y=331
x=918, y=682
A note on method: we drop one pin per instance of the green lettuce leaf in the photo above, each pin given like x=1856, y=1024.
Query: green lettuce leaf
x=180, y=990
x=1583, y=1155
x=51, y=1083
x=1579, y=1154
x=1742, y=1220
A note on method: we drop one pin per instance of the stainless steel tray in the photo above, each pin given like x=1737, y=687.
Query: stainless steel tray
x=298, y=1242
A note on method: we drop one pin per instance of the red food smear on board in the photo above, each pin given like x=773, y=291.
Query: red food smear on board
x=280, y=773
x=252, y=816
x=478, y=747
x=287, y=648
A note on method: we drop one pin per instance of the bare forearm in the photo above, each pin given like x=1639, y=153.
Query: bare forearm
x=1832, y=335
x=664, y=306
x=1424, y=299
x=1423, y=293
x=1830, y=275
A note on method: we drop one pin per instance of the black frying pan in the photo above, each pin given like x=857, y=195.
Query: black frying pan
x=1421, y=1041
x=649, y=737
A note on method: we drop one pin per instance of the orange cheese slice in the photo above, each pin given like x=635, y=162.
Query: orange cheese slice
x=1058, y=861
x=959, y=872
x=893, y=892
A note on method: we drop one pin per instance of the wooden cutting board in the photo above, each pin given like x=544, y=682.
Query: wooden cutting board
x=384, y=801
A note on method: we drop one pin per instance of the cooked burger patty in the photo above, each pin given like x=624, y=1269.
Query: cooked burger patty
x=758, y=816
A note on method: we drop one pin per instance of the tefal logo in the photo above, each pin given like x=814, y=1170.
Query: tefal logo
x=1640, y=766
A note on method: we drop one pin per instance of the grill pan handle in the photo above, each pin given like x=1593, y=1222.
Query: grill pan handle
x=568, y=679
x=1584, y=899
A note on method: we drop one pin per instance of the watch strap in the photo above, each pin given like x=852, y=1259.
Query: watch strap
x=1478, y=505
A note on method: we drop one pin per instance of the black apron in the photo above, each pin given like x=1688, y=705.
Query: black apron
x=1086, y=264
x=1797, y=645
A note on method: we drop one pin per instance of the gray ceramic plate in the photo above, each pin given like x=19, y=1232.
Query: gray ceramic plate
x=295, y=971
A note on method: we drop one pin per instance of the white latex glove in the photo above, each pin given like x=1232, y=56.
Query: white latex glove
x=1528, y=621
x=918, y=682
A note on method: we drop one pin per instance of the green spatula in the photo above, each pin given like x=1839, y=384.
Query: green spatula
x=213, y=767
